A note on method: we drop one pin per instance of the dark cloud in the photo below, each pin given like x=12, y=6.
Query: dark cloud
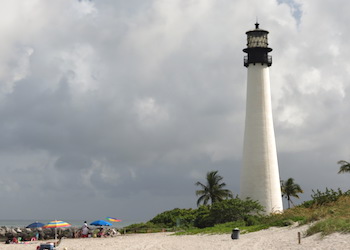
x=128, y=104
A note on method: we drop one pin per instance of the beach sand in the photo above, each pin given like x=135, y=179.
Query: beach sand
x=272, y=238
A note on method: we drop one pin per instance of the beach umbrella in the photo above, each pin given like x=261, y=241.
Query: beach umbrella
x=113, y=219
x=100, y=223
x=56, y=224
x=35, y=225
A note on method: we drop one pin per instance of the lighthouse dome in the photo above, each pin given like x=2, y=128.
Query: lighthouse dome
x=257, y=47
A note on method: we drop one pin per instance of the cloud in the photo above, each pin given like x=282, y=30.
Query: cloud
x=130, y=103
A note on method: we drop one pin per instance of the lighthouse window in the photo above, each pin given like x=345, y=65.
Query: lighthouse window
x=257, y=41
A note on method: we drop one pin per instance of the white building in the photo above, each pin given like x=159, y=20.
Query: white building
x=259, y=175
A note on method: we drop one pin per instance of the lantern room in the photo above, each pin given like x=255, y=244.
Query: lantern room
x=257, y=47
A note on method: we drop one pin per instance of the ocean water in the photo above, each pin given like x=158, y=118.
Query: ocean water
x=74, y=223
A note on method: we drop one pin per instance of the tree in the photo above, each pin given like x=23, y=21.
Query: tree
x=344, y=168
x=290, y=189
x=213, y=190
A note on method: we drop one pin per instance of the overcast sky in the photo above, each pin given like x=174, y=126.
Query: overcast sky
x=116, y=108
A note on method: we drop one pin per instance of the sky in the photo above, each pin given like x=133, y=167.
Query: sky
x=117, y=108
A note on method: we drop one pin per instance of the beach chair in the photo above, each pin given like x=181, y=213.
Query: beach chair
x=49, y=245
x=46, y=246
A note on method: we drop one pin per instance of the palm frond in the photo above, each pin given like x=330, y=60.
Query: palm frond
x=344, y=168
x=290, y=189
x=213, y=190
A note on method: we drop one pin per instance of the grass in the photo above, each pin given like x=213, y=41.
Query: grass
x=329, y=226
x=325, y=219
x=223, y=229
x=332, y=218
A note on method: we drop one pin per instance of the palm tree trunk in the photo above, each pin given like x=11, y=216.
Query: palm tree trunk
x=288, y=202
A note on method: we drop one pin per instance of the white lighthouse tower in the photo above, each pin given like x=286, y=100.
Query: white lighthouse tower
x=259, y=176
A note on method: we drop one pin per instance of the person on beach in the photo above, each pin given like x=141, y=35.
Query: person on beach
x=101, y=233
x=85, y=230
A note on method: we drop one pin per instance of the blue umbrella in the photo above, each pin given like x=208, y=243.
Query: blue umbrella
x=35, y=225
x=100, y=223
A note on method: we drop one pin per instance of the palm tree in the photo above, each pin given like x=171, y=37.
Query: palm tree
x=344, y=168
x=290, y=189
x=213, y=190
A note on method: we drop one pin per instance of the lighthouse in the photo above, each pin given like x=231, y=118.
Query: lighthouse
x=259, y=175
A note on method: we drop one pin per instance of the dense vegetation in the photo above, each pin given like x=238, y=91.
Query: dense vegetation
x=230, y=210
x=329, y=210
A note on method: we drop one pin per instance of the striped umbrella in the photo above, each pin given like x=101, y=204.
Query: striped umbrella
x=113, y=219
x=56, y=224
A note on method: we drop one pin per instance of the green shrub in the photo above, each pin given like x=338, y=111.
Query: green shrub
x=203, y=218
x=322, y=198
x=141, y=227
x=171, y=218
x=234, y=210
x=251, y=220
